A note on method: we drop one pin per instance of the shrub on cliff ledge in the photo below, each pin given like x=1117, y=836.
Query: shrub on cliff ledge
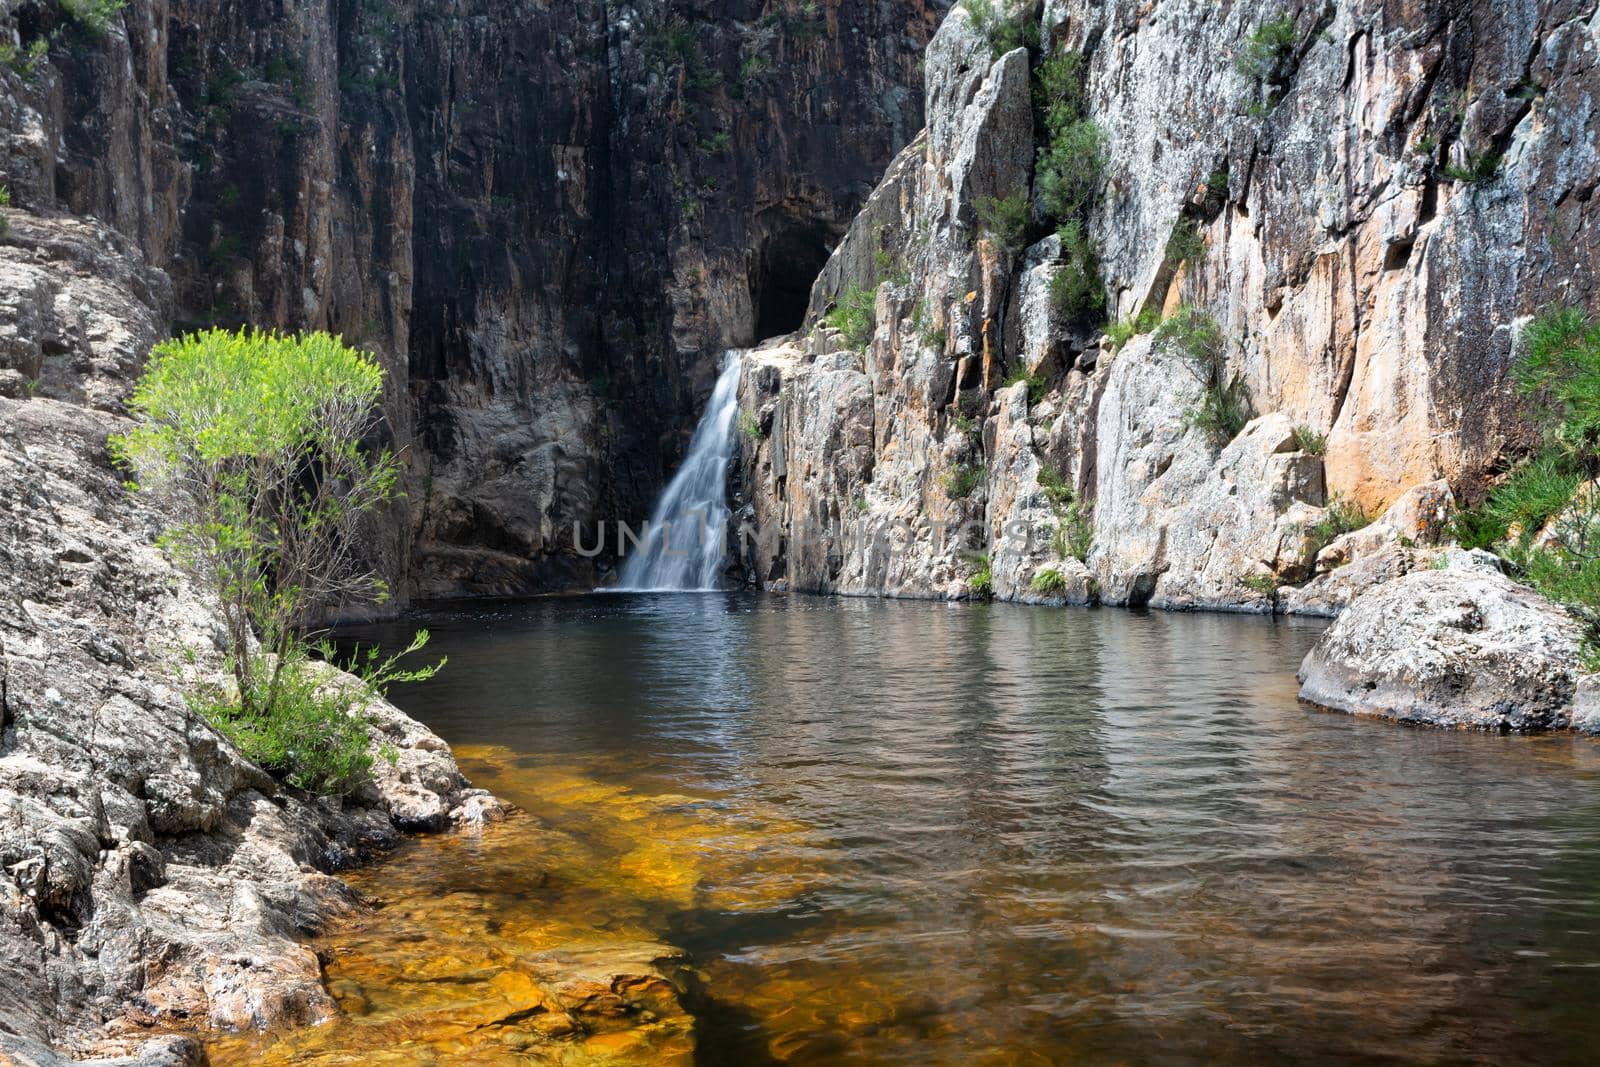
x=1005, y=24
x=252, y=441
x=854, y=314
x=1223, y=408
x=93, y=15
x=1545, y=517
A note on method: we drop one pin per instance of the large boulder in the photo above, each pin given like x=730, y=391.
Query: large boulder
x=1456, y=647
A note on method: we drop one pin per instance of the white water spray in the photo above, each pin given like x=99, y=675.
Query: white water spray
x=687, y=537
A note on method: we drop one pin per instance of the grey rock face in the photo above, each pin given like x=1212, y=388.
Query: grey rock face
x=1466, y=648
x=148, y=873
x=1586, y=705
x=1366, y=264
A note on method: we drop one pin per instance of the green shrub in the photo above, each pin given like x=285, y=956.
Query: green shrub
x=318, y=735
x=1059, y=94
x=960, y=481
x=1341, y=516
x=963, y=422
x=1534, y=494
x=253, y=442
x=93, y=16
x=1560, y=368
x=750, y=426
x=1223, y=408
x=1074, y=533
x=1076, y=291
x=1005, y=31
x=1004, y=220
x=1193, y=335
x=1265, y=49
x=5, y=217
x=1263, y=584
x=1308, y=440
x=1069, y=168
x=980, y=580
x=1122, y=331
x=1185, y=244
x=1049, y=582
x=717, y=143
x=1037, y=386
x=854, y=315
x=24, y=61
x=1222, y=411
x=1478, y=168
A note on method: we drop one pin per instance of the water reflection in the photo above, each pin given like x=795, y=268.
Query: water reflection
x=965, y=834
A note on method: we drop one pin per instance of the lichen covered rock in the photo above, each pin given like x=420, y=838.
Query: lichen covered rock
x=1452, y=647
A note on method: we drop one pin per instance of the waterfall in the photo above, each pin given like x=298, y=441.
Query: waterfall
x=687, y=537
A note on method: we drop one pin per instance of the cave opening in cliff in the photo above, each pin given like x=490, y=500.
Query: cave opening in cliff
x=791, y=257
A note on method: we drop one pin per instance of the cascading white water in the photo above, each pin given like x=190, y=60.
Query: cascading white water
x=685, y=543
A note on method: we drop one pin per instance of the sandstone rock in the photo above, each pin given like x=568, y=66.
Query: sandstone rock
x=1467, y=648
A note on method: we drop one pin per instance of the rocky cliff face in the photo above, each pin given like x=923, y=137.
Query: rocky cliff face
x=1370, y=214
x=548, y=219
x=153, y=880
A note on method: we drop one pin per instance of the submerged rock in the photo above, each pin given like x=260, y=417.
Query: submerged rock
x=1454, y=647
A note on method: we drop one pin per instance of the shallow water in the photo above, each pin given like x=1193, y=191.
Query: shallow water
x=914, y=833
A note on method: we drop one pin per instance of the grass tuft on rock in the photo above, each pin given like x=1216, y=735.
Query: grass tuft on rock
x=854, y=315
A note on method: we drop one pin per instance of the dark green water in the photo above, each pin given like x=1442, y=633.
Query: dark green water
x=999, y=834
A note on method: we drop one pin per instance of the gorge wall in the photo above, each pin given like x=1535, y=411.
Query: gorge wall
x=1369, y=214
x=548, y=219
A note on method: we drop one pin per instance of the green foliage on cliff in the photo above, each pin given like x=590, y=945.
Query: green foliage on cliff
x=1005, y=24
x=1341, y=516
x=980, y=579
x=961, y=481
x=1122, y=331
x=94, y=16
x=5, y=202
x=1067, y=176
x=1037, y=386
x=1544, y=518
x=1478, y=168
x=1049, y=582
x=1223, y=407
x=854, y=315
x=252, y=442
x=1265, y=49
x=1262, y=59
x=1004, y=220
x=1069, y=168
x=1074, y=533
x=1185, y=244
x=1076, y=290
x=24, y=61
x=1308, y=440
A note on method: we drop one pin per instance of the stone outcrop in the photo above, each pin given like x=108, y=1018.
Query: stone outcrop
x=1377, y=213
x=1460, y=646
x=151, y=879
x=549, y=220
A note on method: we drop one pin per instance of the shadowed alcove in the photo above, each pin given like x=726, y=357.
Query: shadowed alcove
x=792, y=255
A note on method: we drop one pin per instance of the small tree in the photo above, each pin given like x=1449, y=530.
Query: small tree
x=253, y=442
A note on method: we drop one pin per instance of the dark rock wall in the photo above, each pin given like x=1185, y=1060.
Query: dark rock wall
x=548, y=218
